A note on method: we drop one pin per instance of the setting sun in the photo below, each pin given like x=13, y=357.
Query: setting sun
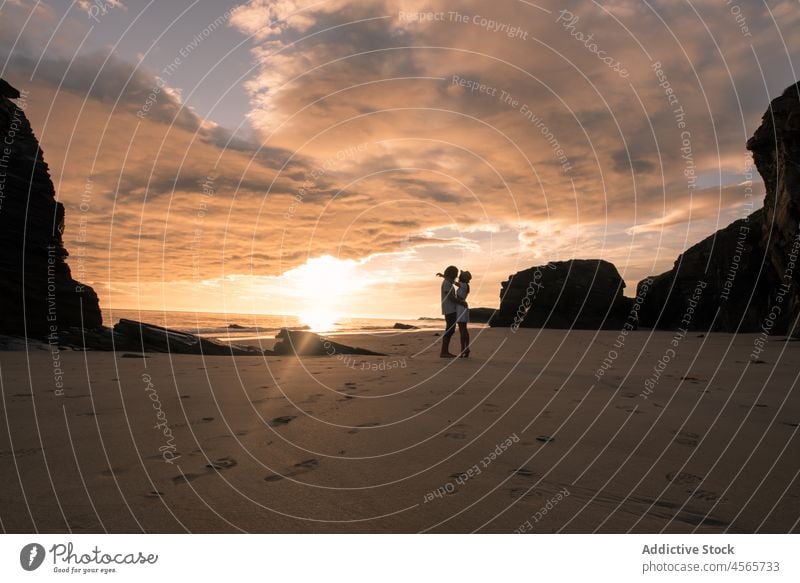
x=324, y=285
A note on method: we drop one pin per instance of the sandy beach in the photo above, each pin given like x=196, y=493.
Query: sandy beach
x=531, y=434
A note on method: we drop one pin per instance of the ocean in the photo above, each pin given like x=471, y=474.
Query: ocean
x=233, y=327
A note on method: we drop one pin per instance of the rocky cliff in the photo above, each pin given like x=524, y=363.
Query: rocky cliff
x=743, y=277
x=717, y=284
x=37, y=292
x=580, y=293
x=776, y=153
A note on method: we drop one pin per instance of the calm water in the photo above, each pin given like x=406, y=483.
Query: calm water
x=249, y=326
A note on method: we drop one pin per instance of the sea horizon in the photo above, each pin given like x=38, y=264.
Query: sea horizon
x=250, y=326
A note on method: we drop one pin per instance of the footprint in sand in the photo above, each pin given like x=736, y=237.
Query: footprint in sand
x=684, y=478
x=222, y=463
x=545, y=438
x=630, y=409
x=790, y=424
x=154, y=494
x=686, y=438
x=284, y=420
x=113, y=472
x=84, y=522
x=524, y=472
x=18, y=452
x=195, y=422
x=691, y=481
x=296, y=470
x=705, y=495
x=307, y=464
x=185, y=478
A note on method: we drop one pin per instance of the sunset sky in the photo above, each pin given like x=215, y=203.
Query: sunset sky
x=270, y=155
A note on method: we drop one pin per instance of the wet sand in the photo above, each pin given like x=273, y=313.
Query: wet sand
x=525, y=436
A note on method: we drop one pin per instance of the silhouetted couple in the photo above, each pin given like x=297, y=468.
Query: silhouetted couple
x=455, y=309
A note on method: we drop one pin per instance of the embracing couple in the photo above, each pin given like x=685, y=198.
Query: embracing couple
x=455, y=309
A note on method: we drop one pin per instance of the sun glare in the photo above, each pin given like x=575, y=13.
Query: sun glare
x=319, y=321
x=323, y=285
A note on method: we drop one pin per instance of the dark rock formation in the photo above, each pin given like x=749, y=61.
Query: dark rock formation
x=776, y=153
x=8, y=91
x=129, y=335
x=714, y=285
x=132, y=335
x=580, y=293
x=401, y=326
x=748, y=269
x=37, y=292
x=481, y=315
x=310, y=344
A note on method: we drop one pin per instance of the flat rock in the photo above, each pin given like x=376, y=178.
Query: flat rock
x=311, y=344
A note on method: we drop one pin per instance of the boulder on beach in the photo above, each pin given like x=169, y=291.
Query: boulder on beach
x=310, y=344
x=580, y=293
x=481, y=315
x=33, y=270
x=401, y=326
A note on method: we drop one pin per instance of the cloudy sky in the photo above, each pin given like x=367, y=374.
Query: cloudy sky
x=274, y=154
